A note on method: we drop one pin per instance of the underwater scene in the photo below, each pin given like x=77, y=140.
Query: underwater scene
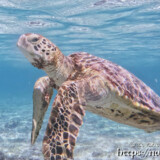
x=126, y=32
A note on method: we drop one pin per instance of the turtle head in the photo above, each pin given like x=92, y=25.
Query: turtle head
x=37, y=49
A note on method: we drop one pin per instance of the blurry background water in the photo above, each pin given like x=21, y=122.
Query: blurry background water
x=126, y=32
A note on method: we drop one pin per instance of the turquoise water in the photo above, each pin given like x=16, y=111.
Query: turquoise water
x=126, y=32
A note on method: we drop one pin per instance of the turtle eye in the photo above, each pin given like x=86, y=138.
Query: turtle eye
x=35, y=39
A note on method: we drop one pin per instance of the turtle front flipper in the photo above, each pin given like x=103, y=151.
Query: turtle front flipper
x=64, y=123
x=43, y=91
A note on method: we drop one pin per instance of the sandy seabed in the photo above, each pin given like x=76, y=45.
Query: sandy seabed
x=99, y=138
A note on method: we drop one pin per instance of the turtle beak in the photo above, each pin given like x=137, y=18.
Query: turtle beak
x=24, y=47
x=22, y=41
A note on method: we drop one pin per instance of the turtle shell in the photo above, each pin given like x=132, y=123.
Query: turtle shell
x=133, y=102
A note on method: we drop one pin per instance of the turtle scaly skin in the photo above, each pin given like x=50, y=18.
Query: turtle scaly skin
x=84, y=82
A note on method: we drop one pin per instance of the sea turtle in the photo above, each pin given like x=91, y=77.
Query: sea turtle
x=84, y=82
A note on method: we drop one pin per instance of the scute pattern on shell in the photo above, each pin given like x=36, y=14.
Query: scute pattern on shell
x=118, y=80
